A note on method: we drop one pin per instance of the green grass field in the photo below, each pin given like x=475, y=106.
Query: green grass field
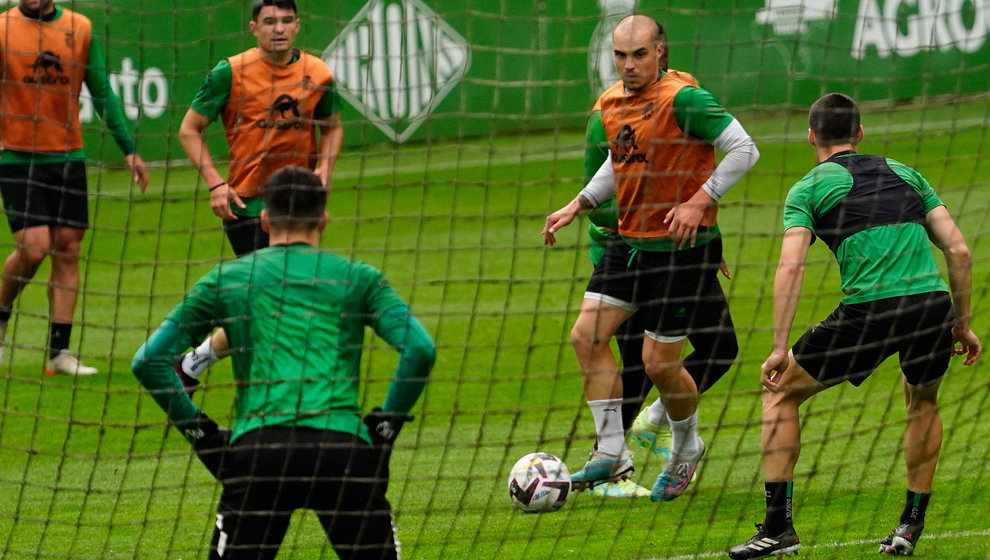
x=85, y=470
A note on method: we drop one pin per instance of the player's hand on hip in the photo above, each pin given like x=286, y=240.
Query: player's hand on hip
x=208, y=440
x=220, y=199
x=682, y=222
x=384, y=427
x=965, y=342
x=773, y=369
x=139, y=174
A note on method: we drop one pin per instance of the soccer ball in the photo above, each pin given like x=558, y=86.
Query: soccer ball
x=539, y=482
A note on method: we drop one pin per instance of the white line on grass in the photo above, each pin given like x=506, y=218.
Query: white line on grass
x=827, y=546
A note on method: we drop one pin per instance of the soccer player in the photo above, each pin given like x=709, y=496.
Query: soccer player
x=47, y=53
x=879, y=217
x=662, y=170
x=297, y=317
x=649, y=427
x=272, y=99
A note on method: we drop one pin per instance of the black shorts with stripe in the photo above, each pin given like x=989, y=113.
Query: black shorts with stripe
x=676, y=290
x=856, y=338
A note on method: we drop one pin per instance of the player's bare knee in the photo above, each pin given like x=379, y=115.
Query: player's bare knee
x=29, y=258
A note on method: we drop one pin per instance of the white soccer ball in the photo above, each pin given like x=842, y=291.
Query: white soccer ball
x=539, y=482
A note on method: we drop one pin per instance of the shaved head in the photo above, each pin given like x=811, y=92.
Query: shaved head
x=639, y=22
x=639, y=51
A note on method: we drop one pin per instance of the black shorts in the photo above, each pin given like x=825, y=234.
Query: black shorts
x=245, y=235
x=271, y=472
x=855, y=339
x=671, y=288
x=45, y=194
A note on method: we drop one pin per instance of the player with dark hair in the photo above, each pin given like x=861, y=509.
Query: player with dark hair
x=47, y=53
x=272, y=99
x=649, y=427
x=879, y=217
x=297, y=316
x=662, y=132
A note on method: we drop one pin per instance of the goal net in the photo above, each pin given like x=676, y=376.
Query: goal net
x=463, y=128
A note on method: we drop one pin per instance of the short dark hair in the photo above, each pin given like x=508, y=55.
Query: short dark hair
x=834, y=119
x=284, y=4
x=295, y=199
x=661, y=36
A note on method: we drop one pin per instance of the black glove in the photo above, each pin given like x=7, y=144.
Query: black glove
x=384, y=428
x=208, y=440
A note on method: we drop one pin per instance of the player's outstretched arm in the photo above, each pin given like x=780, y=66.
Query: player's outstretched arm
x=944, y=233
x=786, y=295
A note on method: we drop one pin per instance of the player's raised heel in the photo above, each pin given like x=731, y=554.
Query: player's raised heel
x=655, y=437
x=601, y=468
x=676, y=476
x=902, y=540
x=65, y=362
x=763, y=545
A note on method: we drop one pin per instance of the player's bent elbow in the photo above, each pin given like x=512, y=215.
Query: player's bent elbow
x=958, y=253
x=425, y=357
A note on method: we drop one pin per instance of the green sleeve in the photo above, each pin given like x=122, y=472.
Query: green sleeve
x=595, y=145
x=928, y=195
x=816, y=193
x=698, y=114
x=213, y=94
x=106, y=103
x=329, y=104
x=152, y=365
x=392, y=320
x=417, y=354
x=185, y=325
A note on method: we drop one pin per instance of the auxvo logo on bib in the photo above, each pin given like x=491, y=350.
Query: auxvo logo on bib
x=395, y=61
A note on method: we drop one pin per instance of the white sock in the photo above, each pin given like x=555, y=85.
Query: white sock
x=656, y=413
x=608, y=424
x=196, y=363
x=684, y=436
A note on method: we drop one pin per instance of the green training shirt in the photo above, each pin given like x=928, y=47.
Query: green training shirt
x=295, y=317
x=878, y=235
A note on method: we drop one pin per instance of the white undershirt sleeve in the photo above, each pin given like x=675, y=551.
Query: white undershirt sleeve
x=740, y=156
x=601, y=187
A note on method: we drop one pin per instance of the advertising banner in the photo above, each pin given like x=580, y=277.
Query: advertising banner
x=440, y=70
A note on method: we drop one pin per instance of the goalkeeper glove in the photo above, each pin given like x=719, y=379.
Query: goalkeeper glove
x=208, y=440
x=384, y=428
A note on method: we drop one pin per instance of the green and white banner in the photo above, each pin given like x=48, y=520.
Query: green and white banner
x=425, y=70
